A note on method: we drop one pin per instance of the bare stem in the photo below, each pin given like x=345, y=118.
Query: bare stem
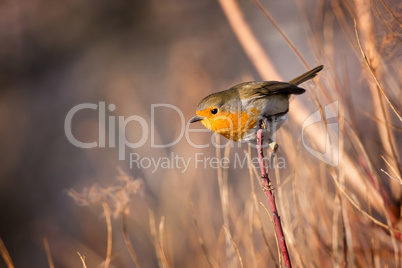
x=6, y=256
x=48, y=254
x=109, y=234
x=266, y=184
x=127, y=240
x=82, y=258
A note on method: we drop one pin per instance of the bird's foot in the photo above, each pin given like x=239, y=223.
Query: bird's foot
x=273, y=145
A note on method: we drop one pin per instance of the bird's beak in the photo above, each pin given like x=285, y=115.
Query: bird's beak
x=196, y=119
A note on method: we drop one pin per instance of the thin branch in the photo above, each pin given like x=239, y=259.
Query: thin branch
x=257, y=208
x=266, y=184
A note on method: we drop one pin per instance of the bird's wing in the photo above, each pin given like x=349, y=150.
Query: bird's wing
x=263, y=89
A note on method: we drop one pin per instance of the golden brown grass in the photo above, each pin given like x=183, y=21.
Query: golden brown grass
x=343, y=216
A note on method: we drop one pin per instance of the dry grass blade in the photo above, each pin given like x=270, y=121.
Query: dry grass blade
x=106, y=211
x=248, y=40
x=386, y=173
x=287, y=40
x=82, y=258
x=379, y=121
x=161, y=240
x=252, y=246
x=374, y=76
x=276, y=236
x=234, y=245
x=392, y=13
x=162, y=262
x=127, y=240
x=5, y=255
x=348, y=253
x=294, y=49
x=392, y=168
x=200, y=240
x=49, y=256
x=363, y=14
x=353, y=202
x=347, y=238
x=335, y=221
x=224, y=193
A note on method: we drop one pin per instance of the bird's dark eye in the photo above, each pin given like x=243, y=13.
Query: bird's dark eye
x=214, y=111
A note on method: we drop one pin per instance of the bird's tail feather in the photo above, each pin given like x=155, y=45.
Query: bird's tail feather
x=306, y=76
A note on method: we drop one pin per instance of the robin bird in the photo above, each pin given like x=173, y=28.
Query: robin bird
x=239, y=112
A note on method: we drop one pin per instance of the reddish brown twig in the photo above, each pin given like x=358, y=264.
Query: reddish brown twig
x=266, y=184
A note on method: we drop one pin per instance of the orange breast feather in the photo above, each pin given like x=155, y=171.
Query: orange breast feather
x=231, y=125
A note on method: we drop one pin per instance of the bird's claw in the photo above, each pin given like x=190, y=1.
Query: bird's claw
x=273, y=145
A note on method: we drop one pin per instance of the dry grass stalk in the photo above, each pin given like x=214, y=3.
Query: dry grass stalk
x=162, y=261
x=396, y=179
x=283, y=201
x=392, y=13
x=311, y=235
x=82, y=258
x=116, y=197
x=357, y=206
x=276, y=236
x=374, y=75
x=208, y=258
x=106, y=211
x=335, y=228
x=234, y=245
x=48, y=254
x=364, y=20
x=127, y=240
x=378, y=121
x=252, y=247
x=285, y=37
x=347, y=239
x=5, y=255
x=224, y=193
x=247, y=39
x=298, y=112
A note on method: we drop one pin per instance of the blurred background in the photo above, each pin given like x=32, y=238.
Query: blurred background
x=133, y=54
